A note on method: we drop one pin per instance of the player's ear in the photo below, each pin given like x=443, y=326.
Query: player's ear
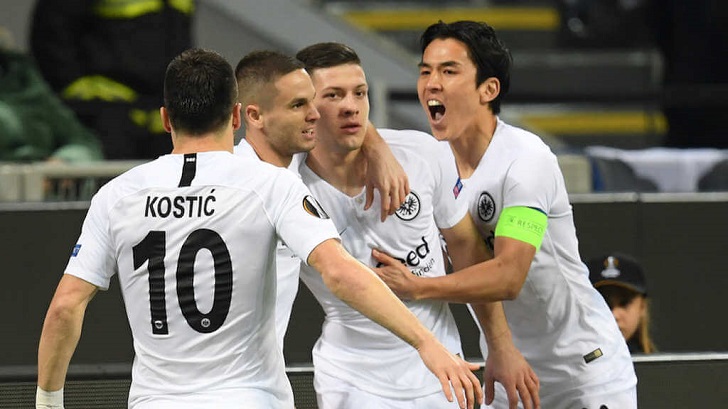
x=165, y=119
x=489, y=90
x=253, y=116
x=237, y=120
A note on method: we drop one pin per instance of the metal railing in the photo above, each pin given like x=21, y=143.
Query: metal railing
x=53, y=182
x=43, y=181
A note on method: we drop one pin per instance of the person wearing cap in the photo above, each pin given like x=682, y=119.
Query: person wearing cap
x=620, y=279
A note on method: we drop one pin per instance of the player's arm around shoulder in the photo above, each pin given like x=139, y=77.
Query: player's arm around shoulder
x=519, y=231
x=497, y=279
x=479, y=276
x=384, y=173
x=503, y=276
x=60, y=335
x=465, y=248
x=360, y=288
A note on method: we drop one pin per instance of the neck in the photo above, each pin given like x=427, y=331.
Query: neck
x=472, y=144
x=213, y=141
x=265, y=151
x=344, y=171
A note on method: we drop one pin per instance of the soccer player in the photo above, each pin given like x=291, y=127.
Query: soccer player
x=357, y=363
x=276, y=95
x=192, y=237
x=519, y=202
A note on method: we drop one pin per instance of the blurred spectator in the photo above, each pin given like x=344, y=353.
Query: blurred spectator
x=34, y=123
x=107, y=59
x=693, y=36
x=621, y=281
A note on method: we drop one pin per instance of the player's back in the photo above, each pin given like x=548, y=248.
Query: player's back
x=194, y=237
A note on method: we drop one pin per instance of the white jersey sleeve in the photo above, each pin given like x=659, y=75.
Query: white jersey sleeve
x=300, y=220
x=524, y=187
x=92, y=258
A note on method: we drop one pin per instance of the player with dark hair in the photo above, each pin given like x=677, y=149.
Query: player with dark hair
x=192, y=237
x=356, y=363
x=276, y=94
x=519, y=201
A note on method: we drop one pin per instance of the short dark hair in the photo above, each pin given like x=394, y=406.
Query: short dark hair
x=488, y=53
x=199, y=91
x=259, y=69
x=327, y=55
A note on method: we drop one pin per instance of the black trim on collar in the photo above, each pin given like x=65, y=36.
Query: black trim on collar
x=189, y=168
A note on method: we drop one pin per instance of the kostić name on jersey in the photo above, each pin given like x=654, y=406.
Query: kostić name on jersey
x=180, y=206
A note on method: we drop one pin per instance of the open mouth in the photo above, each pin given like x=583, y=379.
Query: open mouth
x=437, y=109
x=309, y=133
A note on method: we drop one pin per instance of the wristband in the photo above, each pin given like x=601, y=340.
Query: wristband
x=48, y=400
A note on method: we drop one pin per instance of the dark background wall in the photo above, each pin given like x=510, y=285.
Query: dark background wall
x=681, y=245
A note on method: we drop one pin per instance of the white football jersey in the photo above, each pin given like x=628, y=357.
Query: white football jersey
x=352, y=347
x=193, y=239
x=288, y=265
x=559, y=322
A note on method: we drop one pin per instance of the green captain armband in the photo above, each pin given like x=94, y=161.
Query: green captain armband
x=522, y=223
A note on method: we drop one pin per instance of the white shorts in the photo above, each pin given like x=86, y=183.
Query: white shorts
x=575, y=399
x=332, y=393
x=230, y=399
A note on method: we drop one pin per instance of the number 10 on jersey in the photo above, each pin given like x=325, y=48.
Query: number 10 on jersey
x=153, y=249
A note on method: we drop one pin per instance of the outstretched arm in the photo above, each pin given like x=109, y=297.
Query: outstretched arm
x=61, y=332
x=384, y=173
x=359, y=287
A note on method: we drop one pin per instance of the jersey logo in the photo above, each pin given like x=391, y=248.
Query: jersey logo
x=410, y=208
x=486, y=207
x=458, y=188
x=75, y=250
x=312, y=207
x=597, y=353
x=418, y=259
